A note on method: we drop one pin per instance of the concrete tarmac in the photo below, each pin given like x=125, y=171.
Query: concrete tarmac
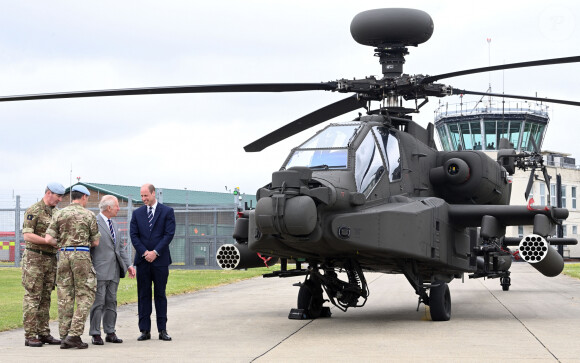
x=538, y=319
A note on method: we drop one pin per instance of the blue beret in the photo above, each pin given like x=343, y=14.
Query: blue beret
x=56, y=188
x=81, y=188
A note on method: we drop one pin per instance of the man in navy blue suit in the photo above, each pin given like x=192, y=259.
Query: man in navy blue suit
x=152, y=229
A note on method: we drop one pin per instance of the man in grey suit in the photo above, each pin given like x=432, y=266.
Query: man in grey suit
x=111, y=261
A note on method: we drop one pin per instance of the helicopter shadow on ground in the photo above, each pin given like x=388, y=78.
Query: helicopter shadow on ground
x=390, y=301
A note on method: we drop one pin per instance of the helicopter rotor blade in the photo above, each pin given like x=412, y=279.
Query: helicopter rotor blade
x=553, y=100
x=530, y=183
x=215, y=88
x=542, y=62
x=312, y=119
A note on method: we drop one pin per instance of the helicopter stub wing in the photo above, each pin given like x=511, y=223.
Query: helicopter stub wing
x=508, y=215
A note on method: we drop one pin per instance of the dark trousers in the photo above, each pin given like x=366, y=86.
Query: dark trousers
x=148, y=274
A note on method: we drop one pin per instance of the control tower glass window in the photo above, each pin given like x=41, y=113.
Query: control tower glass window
x=455, y=137
x=481, y=125
x=442, y=130
x=490, y=135
x=476, y=135
x=467, y=140
x=526, y=136
x=514, y=133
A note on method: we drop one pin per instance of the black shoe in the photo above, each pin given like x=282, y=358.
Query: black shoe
x=113, y=338
x=97, y=340
x=164, y=336
x=145, y=335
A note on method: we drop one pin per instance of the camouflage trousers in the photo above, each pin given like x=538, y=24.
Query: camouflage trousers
x=38, y=276
x=76, y=283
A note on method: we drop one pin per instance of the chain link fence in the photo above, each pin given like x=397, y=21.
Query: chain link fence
x=200, y=231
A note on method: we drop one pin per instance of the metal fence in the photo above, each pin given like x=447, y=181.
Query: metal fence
x=200, y=231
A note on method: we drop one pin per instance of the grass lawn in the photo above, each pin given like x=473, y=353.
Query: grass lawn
x=180, y=281
x=572, y=269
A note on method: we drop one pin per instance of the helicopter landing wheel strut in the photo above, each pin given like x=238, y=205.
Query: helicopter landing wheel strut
x=310, y=299
x=505, y=283
x=440, y=301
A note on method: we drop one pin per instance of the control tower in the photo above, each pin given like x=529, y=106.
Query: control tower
x=480, y=125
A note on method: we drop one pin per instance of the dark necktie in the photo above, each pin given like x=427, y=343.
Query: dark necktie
x=112, y=231
x=150, y=217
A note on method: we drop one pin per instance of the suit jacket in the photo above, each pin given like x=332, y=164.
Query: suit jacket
x=158, y=238
x=110, y=259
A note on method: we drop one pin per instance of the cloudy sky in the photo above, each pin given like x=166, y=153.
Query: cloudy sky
x=196, y=141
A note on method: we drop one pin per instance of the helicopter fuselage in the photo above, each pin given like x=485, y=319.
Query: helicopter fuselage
x=374, y=192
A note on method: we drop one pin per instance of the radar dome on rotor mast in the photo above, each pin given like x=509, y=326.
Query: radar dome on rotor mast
x=393, y=27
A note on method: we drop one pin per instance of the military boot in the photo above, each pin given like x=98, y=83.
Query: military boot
x=49, y=339
x=73, y=342
x=32, y=342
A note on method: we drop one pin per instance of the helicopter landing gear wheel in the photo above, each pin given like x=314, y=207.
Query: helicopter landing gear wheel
x=505, y=283
x=440, y=302
x=310, y=299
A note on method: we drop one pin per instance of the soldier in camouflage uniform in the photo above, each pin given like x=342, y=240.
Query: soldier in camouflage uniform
x=75, y=229
x=39, y=268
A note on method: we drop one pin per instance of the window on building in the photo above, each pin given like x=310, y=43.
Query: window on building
x=564, y=229
x=542, y=194
x=574, y=229
x=553, y=194
x=573, y=197
x=520, y=231
x=563, y=196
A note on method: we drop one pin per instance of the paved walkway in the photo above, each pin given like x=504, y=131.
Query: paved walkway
x=538, y=319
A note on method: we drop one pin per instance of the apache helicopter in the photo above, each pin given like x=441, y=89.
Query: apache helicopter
x=374, y=194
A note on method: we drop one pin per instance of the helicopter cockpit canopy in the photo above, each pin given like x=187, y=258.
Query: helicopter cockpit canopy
x=328, y=149
x=377, y=155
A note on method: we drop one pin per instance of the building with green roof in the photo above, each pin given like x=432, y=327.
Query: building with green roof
x=204, y=220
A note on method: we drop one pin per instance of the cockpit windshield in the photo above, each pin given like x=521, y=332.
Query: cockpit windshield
x=328, y=149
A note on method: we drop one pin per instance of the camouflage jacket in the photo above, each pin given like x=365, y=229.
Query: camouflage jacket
x=37, y=218
x=74, y=226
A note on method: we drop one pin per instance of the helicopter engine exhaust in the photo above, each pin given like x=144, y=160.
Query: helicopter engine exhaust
x=535, y=250
x=238, y=257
